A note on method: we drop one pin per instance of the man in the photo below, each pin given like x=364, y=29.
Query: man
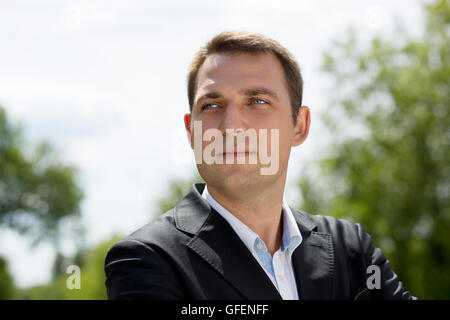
x=235, y=237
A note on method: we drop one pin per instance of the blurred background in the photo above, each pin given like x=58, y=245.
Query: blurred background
x=92, y=145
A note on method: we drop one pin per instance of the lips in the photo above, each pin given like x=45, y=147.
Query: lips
x=237, y=153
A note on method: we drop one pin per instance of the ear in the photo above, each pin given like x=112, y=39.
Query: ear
x=187, y=126
x=301, y=128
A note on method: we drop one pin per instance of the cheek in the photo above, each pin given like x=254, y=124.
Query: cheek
x=285, y=139
x=208, y=122
x=275, y=140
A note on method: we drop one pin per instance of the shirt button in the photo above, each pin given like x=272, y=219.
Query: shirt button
x=280, y=277
x=259, y=245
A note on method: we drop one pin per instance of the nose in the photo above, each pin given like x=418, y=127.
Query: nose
x=233, y=118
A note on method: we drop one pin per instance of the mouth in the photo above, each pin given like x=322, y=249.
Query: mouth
x=237, y=154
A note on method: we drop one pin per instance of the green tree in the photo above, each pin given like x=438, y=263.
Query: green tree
x=388, y=165
x=7, y=288
x=38, y=192
x=92, y=280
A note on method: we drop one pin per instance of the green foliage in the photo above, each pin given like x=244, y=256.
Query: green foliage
x=38, y=193
x=176, y=191
x=389, y=165
x=7, y=288
x=91, y=263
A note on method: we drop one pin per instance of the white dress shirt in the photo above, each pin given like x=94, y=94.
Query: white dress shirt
x=279, y=267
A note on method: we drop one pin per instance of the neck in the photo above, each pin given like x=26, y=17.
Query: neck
x=260, y=210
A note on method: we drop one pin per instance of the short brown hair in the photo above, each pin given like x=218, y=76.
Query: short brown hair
x=245, y=42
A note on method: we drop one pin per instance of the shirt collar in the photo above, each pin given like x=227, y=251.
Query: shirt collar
x=291, y=234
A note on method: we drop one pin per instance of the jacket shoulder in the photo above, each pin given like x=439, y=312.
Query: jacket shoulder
x=158, y=232
x=138, y=267
x=344, y=232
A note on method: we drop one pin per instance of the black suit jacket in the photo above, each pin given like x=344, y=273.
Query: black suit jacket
x=191, y=252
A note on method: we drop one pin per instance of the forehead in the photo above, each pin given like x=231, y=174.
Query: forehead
x=239, y=70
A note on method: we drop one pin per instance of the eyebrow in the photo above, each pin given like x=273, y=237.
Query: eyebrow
x=249, y=92
x=254, y=91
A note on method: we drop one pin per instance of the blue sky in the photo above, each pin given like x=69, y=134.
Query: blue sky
x=104, y=81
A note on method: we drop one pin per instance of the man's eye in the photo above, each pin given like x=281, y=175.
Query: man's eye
x=260, y=101
x=208, y=106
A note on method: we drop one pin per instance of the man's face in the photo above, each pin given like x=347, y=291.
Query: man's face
x=240, y=92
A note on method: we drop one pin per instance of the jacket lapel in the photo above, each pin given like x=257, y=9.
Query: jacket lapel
x=218, y=245
x=313, y=260
x=216, y=242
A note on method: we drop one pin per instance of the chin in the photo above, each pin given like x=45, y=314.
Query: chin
x=232, y=177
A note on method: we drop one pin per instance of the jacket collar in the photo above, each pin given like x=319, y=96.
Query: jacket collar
x=312, y=260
